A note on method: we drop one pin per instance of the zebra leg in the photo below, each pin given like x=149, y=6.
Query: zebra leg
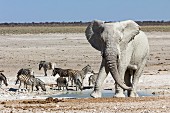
x=76, y=85
x=32, y=88
x=25, y=85
x=19, y=85
x=72, y=81
x=66, y=87
x=89, y=81
x=0, y=83
x=37, y=88
x=45, y=71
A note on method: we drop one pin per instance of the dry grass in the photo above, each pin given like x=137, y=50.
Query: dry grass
x=156, y=28
x=42, y=29
x=65, y=29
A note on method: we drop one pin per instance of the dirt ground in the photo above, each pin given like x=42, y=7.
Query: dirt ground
x=73, y=51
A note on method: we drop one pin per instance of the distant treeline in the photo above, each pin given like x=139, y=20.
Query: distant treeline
x=141, y=23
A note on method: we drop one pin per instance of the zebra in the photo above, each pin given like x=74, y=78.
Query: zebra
x=78, y=81
x=62, y=73
x=92, y=78
x=24, y=75
x=36, y=82
x=4, y=79
x=47, y=66
x=62, y=82
x=79, y=76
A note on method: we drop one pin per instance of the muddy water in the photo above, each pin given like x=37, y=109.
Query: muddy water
x=86, y=94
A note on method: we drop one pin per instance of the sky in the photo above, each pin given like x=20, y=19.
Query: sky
x=83, y=10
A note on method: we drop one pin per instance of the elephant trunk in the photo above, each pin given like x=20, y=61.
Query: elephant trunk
x=111, y=57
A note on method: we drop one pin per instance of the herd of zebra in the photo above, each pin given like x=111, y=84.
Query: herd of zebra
x=26, y=77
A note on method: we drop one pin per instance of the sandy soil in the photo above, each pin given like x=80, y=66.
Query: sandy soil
x=73, y=51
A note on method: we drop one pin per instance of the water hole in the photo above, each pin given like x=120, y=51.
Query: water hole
x=86, y=94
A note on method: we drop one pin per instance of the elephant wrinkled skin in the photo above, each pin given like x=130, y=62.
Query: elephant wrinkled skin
x=124, y=48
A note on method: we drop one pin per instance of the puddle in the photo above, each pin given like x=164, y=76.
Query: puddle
x=86, y=94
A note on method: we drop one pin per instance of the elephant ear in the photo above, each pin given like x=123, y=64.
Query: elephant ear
x=129, y=30
x=93, y=34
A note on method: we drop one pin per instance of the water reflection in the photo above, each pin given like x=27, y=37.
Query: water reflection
x=86, y=94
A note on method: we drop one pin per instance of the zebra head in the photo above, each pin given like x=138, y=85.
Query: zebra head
x=86, y=69
x=56, y=71
x=43, y=87
x=2, y=77
x=41, y=64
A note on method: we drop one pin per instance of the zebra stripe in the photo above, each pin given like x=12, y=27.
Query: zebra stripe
x=37, y=83
x=79, y=76
x=24, y=75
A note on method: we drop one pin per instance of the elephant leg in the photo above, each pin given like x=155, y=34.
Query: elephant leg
x=127, y=78
x=103, y=72
x=135, y=79
x=119, y=92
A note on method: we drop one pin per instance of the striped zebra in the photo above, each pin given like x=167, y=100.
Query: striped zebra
x=62, y=73
x=4, y=79
x=24, y=75
x=92, y=78
x=78, y=76
x=78, y=81
x=36, y=82
x=47, y=66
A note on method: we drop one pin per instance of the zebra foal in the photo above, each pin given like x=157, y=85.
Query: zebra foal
x=62, y=82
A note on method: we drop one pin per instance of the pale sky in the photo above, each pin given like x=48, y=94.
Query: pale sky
x=83, y=10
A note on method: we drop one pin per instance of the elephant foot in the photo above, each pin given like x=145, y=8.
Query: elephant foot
x=133, y=94
x=119, y=93
x=96, y=94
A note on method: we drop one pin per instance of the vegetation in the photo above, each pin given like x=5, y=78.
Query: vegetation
x=156, y=28
x=71, y=27
x=41, y=29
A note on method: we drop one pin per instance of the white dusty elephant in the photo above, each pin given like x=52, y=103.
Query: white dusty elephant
x=124, y=49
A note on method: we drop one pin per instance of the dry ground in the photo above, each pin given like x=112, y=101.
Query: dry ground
x=73, y=51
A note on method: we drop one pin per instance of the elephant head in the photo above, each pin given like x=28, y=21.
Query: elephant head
x=111, y=39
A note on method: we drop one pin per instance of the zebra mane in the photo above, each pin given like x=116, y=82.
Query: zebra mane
x=41, y=62
x=86, y=67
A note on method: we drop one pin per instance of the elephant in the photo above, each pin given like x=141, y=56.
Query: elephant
x=124, y=49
